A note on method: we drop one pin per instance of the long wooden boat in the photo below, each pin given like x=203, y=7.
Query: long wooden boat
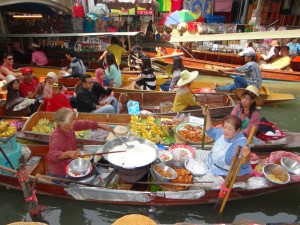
x=141, y=193
x=209, y=63
x=160, y=103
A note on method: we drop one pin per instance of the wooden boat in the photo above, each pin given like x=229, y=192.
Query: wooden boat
x=160, y=103
x=208, y=63
x=138, y=194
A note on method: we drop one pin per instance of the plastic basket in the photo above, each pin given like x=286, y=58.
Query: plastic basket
x=280, y=134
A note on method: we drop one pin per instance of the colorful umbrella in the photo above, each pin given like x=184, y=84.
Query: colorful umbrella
x=178, y=17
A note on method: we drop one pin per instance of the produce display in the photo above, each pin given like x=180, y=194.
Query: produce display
x=44, y=126
x=151, y=129
x=7, y=129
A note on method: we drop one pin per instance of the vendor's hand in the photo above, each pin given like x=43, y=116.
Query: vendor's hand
x=246, y=152
x=105, y=127
x=205, y=111
x=69, y=154
x=130, y=78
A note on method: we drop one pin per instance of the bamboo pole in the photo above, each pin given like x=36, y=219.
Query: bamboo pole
x=204, y=127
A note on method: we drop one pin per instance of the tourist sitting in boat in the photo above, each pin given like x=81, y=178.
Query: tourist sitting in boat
x=113, y=72
x=116, y=49
x=294, y=47
x=7, y=66
x=274, y=43
x=38, y=57
x=280, y=64
x=62, y=142
x=227, y=139
x=176, y=70
x=76, y=68
x=184, y=99
x=57, y=100
x=51, y=78
x=147, y=79
x=87, y=101
x=29, y=87
x=273, y=58
x=246, y=109
x=14, y=98
x=252, y=75
x=249, y=48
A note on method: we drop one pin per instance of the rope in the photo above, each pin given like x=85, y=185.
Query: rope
x=223, y=191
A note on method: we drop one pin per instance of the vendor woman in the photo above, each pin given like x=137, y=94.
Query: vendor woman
x=62, y=143
x=227, y=139
x=184, y=99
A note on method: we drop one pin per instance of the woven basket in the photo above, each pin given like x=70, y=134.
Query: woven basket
x=134, y=219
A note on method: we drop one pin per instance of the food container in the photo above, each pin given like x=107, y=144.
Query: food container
x=164, y=173
x=165, y=157
x=121, y=131
x=80, y=165
x=181, y=152
x=134, y=163
x=291, y=165
x=276, y=174
x=191, y=132
x=195, y=167
x=83, y=153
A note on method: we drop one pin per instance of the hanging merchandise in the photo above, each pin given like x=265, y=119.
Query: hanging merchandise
x=199, y=7
x=223, y=5
x=78, y=9
x=286, y=7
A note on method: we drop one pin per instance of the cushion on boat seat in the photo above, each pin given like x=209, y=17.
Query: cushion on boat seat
x=134, y=219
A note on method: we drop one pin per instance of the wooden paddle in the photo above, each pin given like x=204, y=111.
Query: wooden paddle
x=167, y=56
x=204, y=126
x=98, y=153
x=238, y=165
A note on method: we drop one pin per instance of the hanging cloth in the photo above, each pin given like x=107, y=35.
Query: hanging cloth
x=78, y=9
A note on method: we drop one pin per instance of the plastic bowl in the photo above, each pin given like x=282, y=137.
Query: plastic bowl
x=164, y=173
x=291, y=165
x=80, y=165
x=268, y=171
x=165, y=156
x=195, y=167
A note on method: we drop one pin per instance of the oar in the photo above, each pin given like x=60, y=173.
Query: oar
x=204, y=127
x=198, y=184
x=237, y=169
x=98, y=153
x=167, y=56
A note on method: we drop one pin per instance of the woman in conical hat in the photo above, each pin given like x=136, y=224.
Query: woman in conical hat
x=246, y=109
x=184, y=98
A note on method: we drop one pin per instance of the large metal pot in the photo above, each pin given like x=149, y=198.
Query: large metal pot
x=135, y=171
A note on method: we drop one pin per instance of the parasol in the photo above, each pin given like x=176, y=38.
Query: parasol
x=178, y=17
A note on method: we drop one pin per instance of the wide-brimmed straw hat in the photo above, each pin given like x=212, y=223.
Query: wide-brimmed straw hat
x=253, y=90
x=34, y=45
x=187, y=77
x=134, y=219
x=8, y=79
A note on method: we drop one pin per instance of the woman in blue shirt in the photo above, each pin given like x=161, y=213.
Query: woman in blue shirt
x=227, y=139
x=112, y=72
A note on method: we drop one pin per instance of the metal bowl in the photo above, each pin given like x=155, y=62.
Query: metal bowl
x=291, y=165
x=269, y=170
x=80, y=165
x=166, y=169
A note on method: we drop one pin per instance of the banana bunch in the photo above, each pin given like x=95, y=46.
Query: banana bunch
x=6, y=129
x=44, y=126
x=149, y=129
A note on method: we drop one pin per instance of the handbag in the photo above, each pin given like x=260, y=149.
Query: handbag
x=265, y=128
x=78, y=9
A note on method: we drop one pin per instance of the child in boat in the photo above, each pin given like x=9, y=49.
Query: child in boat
x=51, y=78
x=147, y=79
x=184, y=98
x=113, y=72
x=57, y=100
x=176, y=70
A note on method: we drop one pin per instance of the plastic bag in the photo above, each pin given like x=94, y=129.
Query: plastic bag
x=133, y=107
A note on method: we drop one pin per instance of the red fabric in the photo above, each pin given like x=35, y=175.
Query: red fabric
x=78, y=11
x=28, y=88
x=176, y=5
x=56, y=102
x=60, y=142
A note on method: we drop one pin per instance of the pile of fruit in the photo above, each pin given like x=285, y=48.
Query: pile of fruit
x=7, y=129
x=44, y=126
x=150, y=129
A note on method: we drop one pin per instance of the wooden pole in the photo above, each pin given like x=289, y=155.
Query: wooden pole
x=204, y=127
x=28, y=192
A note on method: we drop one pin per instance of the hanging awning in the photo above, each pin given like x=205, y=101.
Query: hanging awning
x=236, y=36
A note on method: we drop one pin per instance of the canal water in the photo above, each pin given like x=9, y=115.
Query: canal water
x=279, y=207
